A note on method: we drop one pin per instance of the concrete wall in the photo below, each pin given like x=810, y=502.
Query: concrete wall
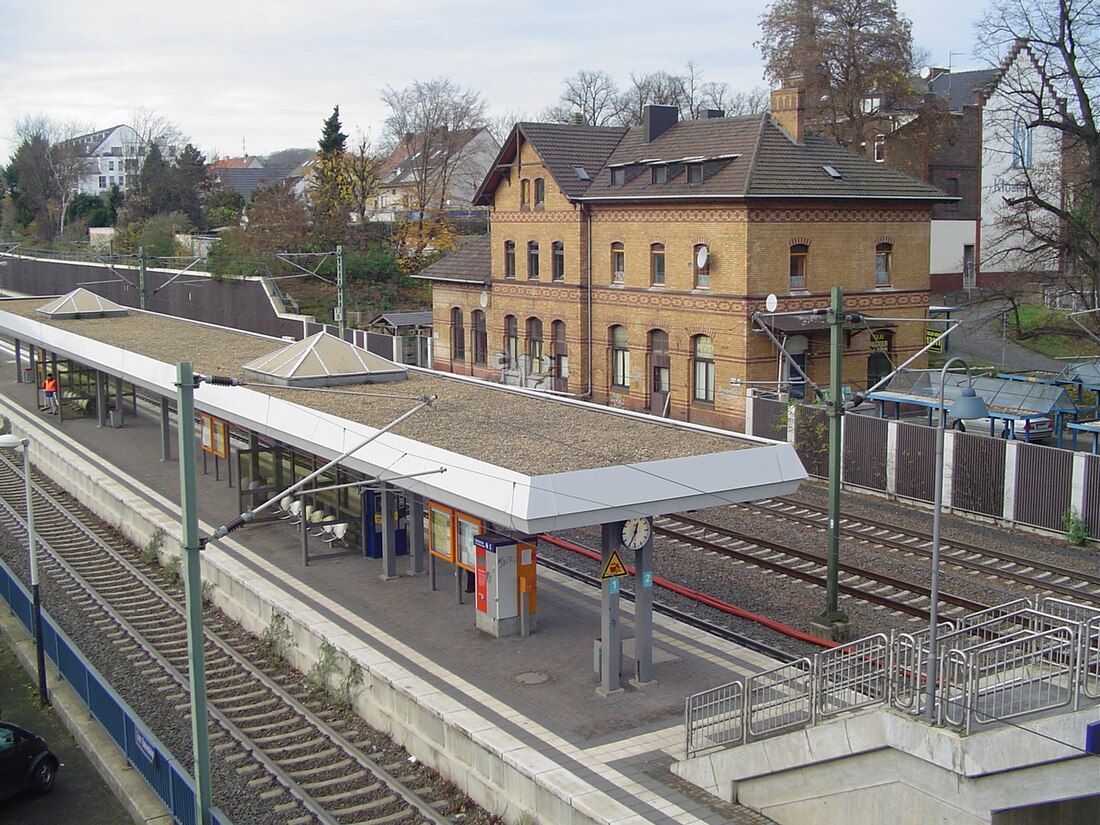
x=883, y=767
x=240, y=304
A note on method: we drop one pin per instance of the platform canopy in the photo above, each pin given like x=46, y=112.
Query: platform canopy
x=521, y=460
x=1005, y=398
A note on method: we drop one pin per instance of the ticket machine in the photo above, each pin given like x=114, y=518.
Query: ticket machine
x=506, y=584
x=372, y=524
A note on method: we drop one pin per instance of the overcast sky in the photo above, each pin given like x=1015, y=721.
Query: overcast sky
x=265, y=75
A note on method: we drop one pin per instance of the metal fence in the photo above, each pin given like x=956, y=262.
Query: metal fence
x=1012, y=660
x=1013, y=481
x=143, y=750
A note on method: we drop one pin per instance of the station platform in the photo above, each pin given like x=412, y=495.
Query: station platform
x=541, y=689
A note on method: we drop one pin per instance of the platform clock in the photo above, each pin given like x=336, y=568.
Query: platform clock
x=635, y=533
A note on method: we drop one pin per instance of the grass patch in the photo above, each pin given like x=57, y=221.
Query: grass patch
x=1040, y=330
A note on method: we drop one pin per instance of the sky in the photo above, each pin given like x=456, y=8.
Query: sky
x=242, y=76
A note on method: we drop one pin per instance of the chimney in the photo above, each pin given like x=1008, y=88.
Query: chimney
x=576, y=119
x=789, y=107
x=656, y=120
x=709, y=113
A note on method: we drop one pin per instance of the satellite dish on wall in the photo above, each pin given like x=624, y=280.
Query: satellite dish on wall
x=925, y=72
x=771, y=302
x=702, y=257
x=484, y=299
x=797, y=344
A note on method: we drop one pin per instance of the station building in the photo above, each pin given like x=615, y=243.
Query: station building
x=631, y=266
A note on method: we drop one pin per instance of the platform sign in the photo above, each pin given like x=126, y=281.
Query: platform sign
x=613, y=587
x=647, y=578
x=930, y=336
x=614, y=567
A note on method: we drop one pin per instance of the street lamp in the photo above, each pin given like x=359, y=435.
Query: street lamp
x=968, y=406
x=10, y=442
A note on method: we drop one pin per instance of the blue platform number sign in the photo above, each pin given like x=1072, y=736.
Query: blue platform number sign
x=647, y=578
x=613, y=586
x=145, y=746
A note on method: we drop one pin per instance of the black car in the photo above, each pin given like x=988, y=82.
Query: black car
x=25, y=761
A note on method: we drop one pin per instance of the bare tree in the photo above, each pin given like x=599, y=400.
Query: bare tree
x=55, y=160
x=364, y=170
x=591, y=93
x=654, y=89
x=848, y=53
x=1049, y=222
x=500, y=126
x=153, y=128
x=430, y=123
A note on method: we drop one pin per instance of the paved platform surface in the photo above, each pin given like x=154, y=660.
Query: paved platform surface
x=541, y=689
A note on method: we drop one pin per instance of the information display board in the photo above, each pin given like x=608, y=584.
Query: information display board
x=215, y=435
x=441, y=532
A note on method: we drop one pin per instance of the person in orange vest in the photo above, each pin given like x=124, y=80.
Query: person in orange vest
x=49, y=387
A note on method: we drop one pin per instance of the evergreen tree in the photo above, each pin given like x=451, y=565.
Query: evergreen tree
x=332, y=139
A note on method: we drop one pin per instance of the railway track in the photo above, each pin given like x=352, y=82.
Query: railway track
x=285, y=743
x=999, y=564
x=908, y=598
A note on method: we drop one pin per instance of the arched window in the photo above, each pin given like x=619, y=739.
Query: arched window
x=458, y=336
x=800, y=254
x=533, y=260
x=509, y=259
x=525, y=194
x=511, y=341
x=481, y=337
x=883, y=253
x=701, y=253
x=657, y=264
x=618, y=263
x=702, y=355
x=535, y=350
x=540, y=193
x=557, y=250
x=620, y=357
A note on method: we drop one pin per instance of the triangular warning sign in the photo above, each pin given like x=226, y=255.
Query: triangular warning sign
x=614, y=567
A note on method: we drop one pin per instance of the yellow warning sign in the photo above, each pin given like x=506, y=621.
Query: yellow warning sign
x=614, y=567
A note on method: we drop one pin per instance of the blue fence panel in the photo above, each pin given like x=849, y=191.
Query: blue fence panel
x=71, y=665
x=183, y=795
x=143, y=750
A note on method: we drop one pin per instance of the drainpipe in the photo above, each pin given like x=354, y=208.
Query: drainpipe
x=587, y=213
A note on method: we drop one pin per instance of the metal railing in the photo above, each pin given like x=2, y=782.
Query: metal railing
x=1008, y=661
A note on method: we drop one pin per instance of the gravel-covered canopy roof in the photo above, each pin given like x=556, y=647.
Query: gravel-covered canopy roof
x=524, y=434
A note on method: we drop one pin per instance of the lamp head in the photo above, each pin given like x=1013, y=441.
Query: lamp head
x=969, y=405
x=10, y=442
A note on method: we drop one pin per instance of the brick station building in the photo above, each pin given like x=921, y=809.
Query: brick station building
x=626, y=265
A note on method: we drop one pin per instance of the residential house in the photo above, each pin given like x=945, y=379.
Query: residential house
x=114, y=157
x=635, y=266
x=443, y=170
x=974, y=141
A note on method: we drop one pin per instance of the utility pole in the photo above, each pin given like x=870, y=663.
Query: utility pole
x=192, y=545
x=341, y=289
x=143, y=287
x=833, y=623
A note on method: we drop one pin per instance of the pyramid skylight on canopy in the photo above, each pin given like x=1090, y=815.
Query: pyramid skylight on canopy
x=81, y=303
x=323, y=360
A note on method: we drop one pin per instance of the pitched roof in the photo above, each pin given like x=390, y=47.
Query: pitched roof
x=747, y=157
x=958, y=88
x=246, y=181
x=470, y=264
x=402, y=164
x=564, y=148
x=407, y=318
